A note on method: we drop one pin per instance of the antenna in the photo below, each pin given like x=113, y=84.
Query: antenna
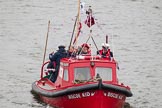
x=113, y=46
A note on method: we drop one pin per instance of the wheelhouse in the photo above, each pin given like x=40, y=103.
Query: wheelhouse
x=72, y=70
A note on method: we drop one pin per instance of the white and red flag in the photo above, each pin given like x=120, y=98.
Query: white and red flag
x=79, y=30
x=90, y=19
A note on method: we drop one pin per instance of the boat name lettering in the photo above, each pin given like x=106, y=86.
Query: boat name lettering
x=87, y=94
x=114, y=95
x=81, y=95
x=74, y=96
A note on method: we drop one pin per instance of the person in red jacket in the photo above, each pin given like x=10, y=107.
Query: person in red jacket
x=105, y=51
x=85, y=49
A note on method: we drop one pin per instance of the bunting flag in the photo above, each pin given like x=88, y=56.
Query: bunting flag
x=79, y=30
x=89, y=21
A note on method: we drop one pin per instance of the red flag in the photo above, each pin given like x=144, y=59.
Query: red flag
x=79, y=29
x=90, y=21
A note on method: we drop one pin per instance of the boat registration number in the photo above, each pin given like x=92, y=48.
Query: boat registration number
x=81, y=95
x=114, y=95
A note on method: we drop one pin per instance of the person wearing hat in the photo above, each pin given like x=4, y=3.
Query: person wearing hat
x=61, y=53
x=72, y=51
x=55, y=61
x=84, y=49
x=105, y=51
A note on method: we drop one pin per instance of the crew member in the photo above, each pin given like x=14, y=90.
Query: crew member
x=71, y=52
x=56, y=57
x=105, y=51
x=85, y=49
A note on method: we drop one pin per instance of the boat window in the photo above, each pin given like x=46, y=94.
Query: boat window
x=66, y=76
x=105, y=73
x=82, y=73
x=61, y=72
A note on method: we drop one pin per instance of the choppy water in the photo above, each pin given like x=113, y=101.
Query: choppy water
x=136, y=27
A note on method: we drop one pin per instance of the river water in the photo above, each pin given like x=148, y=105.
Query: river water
x=134, y=27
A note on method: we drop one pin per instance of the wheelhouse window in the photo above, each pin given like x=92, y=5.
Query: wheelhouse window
x=66, y=76
x=105, y=73
x=82, y=73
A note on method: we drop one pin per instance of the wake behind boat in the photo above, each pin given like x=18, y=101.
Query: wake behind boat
x=80, y=79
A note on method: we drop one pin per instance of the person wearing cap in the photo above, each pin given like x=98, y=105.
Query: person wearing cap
x=105, y=51
x=61, y=53
x=85, y=49
x=72, y=52
x=55, y=59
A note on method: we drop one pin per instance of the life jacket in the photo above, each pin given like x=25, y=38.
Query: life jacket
x=107, y=54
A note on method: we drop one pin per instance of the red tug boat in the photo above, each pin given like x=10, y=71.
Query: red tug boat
x=83, y=81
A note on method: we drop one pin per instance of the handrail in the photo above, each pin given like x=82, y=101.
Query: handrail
x=91, y=57
x=42, y=68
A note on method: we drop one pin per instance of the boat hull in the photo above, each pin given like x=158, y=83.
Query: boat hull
x=87, y=99
x=91, y=95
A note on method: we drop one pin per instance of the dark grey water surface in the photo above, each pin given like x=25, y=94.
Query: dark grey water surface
x=135, y=25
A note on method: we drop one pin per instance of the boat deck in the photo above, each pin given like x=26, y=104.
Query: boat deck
x=47, y=86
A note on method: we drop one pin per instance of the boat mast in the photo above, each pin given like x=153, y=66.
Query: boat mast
x=45, y=47
x=78, y=24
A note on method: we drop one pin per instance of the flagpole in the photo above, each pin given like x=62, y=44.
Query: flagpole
x=73, y=30
x=78, y=19
x=107, y=39
x=45, y=48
